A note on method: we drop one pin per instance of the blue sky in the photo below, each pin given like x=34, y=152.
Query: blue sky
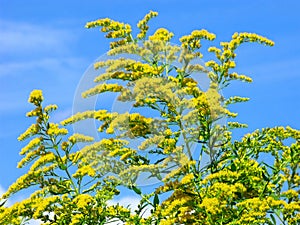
x=44, y=45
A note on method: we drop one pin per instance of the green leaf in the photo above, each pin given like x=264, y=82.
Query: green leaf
x=233, y=167
x=136, y=190
x=266, y=178
x=273, y=219
x=62, y=166
x=155, y=201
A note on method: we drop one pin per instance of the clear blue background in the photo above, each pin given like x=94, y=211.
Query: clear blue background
x=44, y=45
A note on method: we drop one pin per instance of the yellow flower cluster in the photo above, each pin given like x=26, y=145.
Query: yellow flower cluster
x=154, y=140
x=216, y=50
x=222, y=175
x=29, y=156
x=214, y=103
x=128, y=154
x=211, y=205
x=76, y=219
x=136, y=70
x=50, y=108
x=54, y=130
x=84, y=170
x=224, y=190
x=128, y=48
x=36, y=97
x=142, y=24
x=156, y=87
x=102, y=88
x=114, y=65
x=227, y=54
x=115, y=29
x=43, y=204
x=213, y=64
x=193, y=40
x=291, y=194
x=32, y=130
x=236, y=125
x=173, y=204
x=144, y=69
x=235, y=99
x=78, y=117
x=240, y=77
x=238, y=38
x=187, y=178
x=161, y=34
x=35, y=112
x=82, y=202
x=32, y=144
x=75, y=157
x=168, y=145
x=27, y=180
x=256, y=210
x=135, y=124
x=80, y=138
x=43, y=160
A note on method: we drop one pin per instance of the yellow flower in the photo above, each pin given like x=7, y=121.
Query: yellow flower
x=211, y=205
x=32, y=144
x=43, y=160
x=32, y=130
x=50, y=108
x=36, y=97
x=142, y=24
x=84, y=170
x=187, y=178
x=161, y=34
x=55, y=130
x=80, y=138
x=82, y=202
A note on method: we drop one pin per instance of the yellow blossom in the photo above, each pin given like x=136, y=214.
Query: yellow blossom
x=36, y=97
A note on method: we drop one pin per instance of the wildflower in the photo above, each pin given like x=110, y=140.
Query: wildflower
x=32, y=130
x=54, y=130
x=36, y=97
x=80, y=138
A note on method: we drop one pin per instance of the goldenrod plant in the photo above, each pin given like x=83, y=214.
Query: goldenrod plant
x=203, y=175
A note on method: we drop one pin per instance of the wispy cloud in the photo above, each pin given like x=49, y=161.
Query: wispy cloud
x=19, y=78
x=26, y=39
x=55, y=65
x=35, y=56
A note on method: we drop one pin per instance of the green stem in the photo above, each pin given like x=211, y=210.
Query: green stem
x=185, y=141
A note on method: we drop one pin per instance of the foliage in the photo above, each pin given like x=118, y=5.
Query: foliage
x=235, y=186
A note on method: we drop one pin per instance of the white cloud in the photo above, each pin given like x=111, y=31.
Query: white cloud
x=26, y=38
x=34, y=222
x=18, y=79
x=35, y=56
x=56, y=64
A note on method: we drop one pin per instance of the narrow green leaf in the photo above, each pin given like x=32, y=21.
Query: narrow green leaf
x=273, y=219
x=136, y=190
x=155, y=200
